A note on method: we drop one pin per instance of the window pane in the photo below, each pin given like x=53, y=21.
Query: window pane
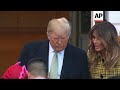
x=114, y=16
x=118, y=29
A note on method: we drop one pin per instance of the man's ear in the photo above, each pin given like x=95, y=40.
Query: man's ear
x=48, y=35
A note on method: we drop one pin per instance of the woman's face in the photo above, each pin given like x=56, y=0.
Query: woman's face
x=98, y=45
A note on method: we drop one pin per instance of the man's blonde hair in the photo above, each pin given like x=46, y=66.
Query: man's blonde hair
x=59, y=23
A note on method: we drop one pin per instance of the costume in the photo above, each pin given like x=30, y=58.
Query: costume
x=15, y=72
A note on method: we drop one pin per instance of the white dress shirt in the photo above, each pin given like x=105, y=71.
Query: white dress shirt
x=60, y=60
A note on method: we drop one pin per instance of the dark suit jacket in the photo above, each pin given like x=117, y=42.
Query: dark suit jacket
x=75, y=64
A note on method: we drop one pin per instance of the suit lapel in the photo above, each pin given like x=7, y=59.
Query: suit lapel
x=66, y=62
x=45, y=51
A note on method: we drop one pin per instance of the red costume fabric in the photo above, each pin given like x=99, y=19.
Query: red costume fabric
x=15, y=72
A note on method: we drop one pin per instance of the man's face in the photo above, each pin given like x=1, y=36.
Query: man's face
x=58, y=41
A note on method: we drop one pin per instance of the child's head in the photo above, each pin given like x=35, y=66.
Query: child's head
x=37, y=69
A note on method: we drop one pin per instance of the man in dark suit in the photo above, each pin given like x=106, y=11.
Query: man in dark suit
x=72, y=61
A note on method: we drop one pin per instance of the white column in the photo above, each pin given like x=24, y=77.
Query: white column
x=114, y=18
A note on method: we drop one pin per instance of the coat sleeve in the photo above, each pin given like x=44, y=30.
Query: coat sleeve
x=24, y=55
x=86, y=75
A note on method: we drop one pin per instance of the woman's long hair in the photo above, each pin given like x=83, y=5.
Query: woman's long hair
x=109, y=37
